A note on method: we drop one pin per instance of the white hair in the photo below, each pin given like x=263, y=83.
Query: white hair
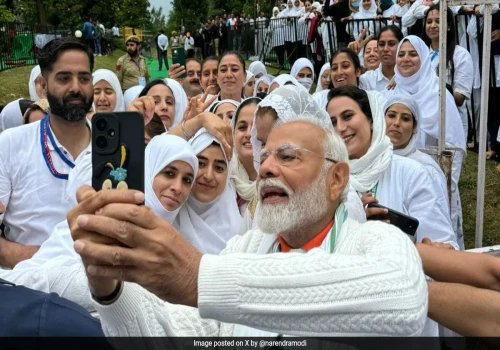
x=333, y=145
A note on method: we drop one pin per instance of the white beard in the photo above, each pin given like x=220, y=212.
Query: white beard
x=305, y=206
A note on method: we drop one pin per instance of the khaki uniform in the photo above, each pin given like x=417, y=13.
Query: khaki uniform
x=128, y=71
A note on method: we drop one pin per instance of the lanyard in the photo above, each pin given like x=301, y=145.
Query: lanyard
x=44, y=132
x=434, y=54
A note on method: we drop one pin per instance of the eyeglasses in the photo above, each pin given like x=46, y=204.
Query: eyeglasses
x=288, y=155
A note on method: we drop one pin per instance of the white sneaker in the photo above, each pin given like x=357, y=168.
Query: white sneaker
x=100, y=55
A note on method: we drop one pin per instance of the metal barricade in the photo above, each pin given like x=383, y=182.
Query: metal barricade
x=19, y=42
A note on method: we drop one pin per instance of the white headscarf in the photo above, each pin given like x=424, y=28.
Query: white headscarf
x=111, y=79
x=181, y=100
x=298, y=66
x=289, y=101
x=415, y=110
x=11, y=115
x=131, y=94
x=370, y=13
x=223, y=102
x=325, y=67
x=250, y=75
x=423, y=87
x=274, y=10
x=367, y=170
x=245, y=188
x=257, y=67
x=160, y=152
x=282, y=79
x=208, y=226
x=317, y=6
x=35, y=72
x=266, y=79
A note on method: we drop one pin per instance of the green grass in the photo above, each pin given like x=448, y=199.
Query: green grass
x=15, y=85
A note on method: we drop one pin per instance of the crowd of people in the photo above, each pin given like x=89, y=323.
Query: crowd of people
x=257, y=216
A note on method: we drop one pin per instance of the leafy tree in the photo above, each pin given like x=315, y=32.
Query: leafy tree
x=6, y=14
x=188, y=13
x=157, y=19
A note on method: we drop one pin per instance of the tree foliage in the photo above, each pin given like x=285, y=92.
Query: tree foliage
x=190, y=13
x=6, y=15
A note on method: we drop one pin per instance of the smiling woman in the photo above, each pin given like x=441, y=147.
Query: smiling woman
x=170, y=100
x=171, y=166
x=210, y=217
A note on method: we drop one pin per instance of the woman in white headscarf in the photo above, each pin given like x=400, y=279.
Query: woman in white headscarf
x=415, y=77
x=261, y=88
x=243, y=174
x=108, y=95
x=225, y=109
x=35, y=85
x=276, y=36
x=282, y=80
x=258, y=69
x=402, y=119
x=303, y=71
x=170, y=167
x=249, y=85
x=210, y=217
x=368, y=11
x=376, y=174
x=284, y=105
x=170, y=100
x=324, y=78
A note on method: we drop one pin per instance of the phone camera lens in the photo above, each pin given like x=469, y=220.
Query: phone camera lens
x=101, y=124
x=111, y=132
x=101, y=142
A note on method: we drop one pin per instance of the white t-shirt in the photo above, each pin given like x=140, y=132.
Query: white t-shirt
x=34, y=198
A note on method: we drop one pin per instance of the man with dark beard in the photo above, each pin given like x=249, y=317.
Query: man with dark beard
x=131, y=68
x=36, y=158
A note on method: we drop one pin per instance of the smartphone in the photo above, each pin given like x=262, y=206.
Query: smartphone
x=118, y=151
x=179, y=56
x=405, y=223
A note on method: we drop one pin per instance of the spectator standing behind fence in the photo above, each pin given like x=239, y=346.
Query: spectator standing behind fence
x=162, y=52
x=116, y=31
x=214, y=29
x=222, y=35
x=198, y=45
x=189, y=46
x=131, y=68
x=207, y=41
x=88, y=32
x=98, y=34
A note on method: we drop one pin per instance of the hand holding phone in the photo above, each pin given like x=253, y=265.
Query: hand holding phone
x=118, y=151
x=405, y=223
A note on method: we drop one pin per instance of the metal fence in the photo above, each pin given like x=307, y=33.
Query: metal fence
x=20, y=42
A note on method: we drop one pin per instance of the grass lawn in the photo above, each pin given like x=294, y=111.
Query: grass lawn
x=15, y=85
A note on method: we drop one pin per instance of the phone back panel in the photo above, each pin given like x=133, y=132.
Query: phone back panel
x=179, y=56
x=118, y=151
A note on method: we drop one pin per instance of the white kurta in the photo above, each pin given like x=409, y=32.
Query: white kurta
x=407, y=187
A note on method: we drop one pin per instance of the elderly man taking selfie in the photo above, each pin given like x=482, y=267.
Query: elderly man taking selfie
x=267, y=282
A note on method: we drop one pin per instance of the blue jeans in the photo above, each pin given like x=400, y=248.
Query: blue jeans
x=98, y=50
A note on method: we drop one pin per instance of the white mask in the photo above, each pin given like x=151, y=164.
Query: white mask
x=306, y=82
